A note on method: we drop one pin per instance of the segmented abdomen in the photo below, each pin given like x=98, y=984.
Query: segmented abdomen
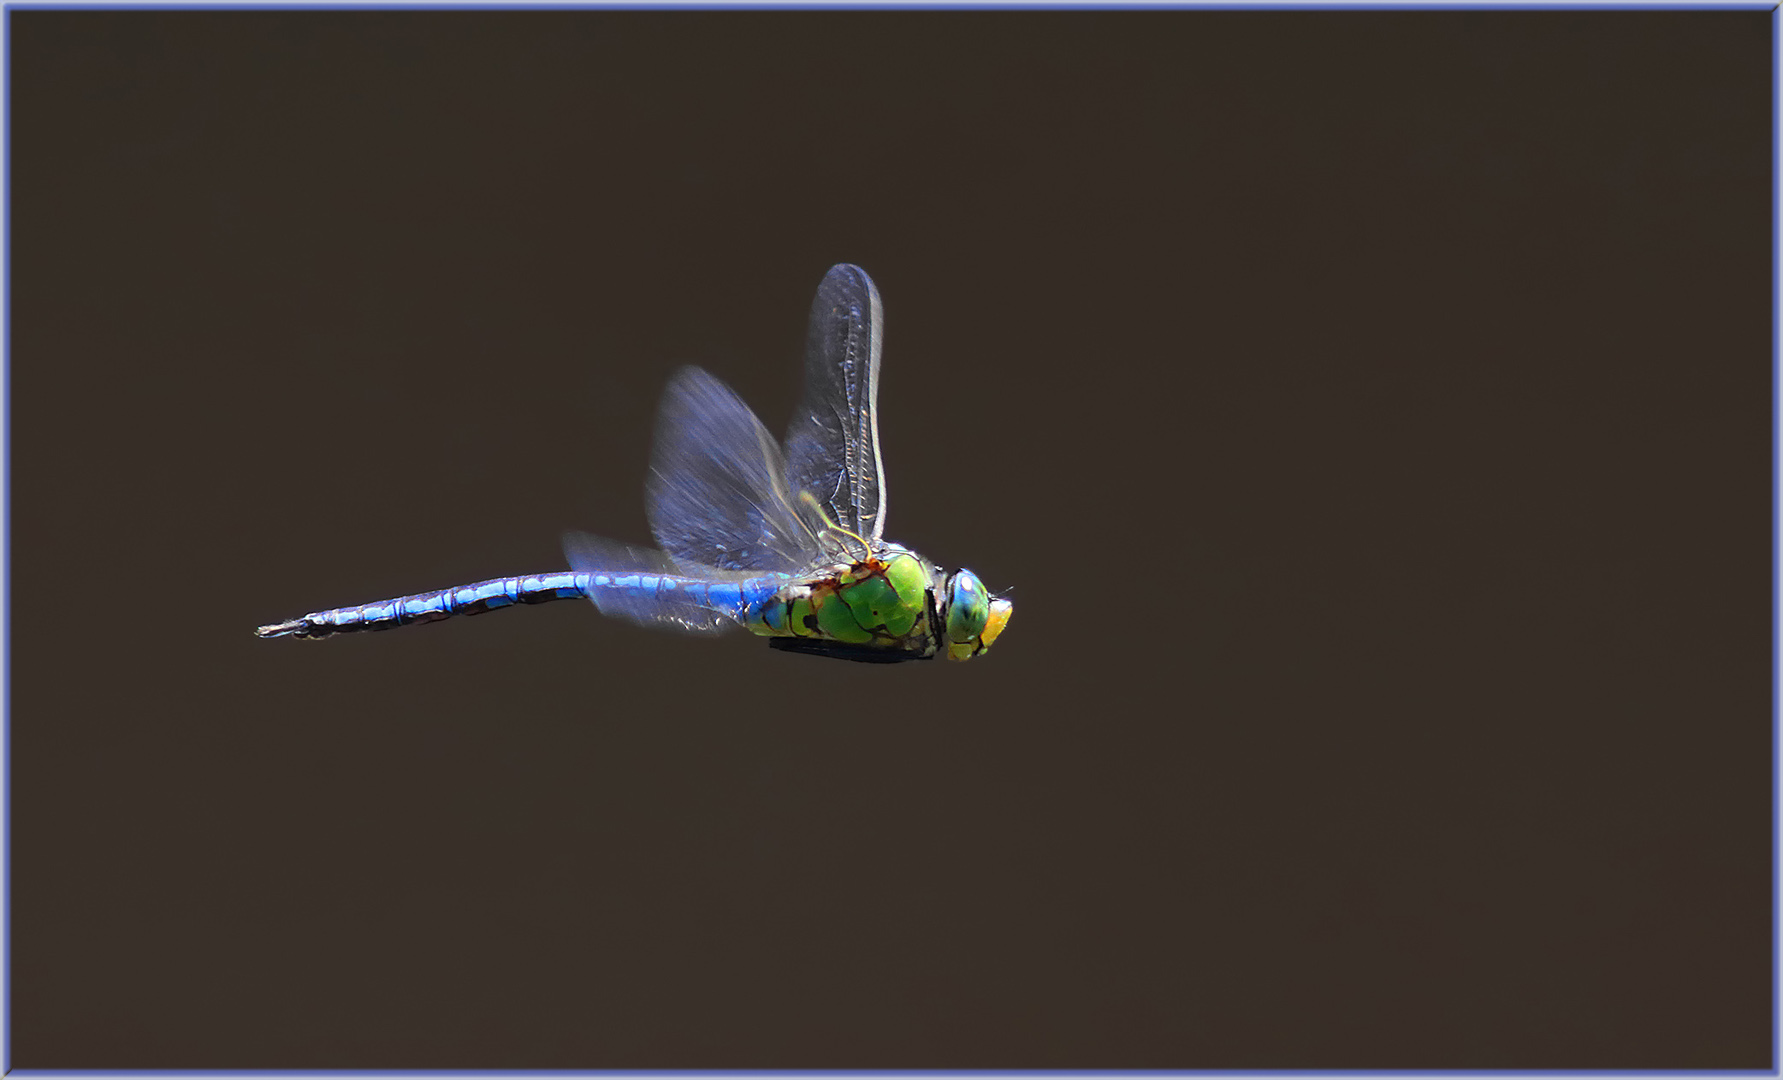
x=647, y=597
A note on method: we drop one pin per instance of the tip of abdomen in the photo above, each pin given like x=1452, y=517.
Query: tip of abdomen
x=281, y=629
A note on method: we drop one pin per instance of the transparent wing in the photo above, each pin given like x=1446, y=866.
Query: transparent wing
x=832, y=445
x=597, y=555
x=717, y=495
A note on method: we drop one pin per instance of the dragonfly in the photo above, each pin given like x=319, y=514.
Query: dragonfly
x=784, y=539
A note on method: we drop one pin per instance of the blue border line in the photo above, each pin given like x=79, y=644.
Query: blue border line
x=6, y=12
x=1776, y=686
x=6, y=570
x=922, y=5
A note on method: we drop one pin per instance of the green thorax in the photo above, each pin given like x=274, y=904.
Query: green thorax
x=883, y=601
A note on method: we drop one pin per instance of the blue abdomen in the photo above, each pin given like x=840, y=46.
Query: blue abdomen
x=690, y=603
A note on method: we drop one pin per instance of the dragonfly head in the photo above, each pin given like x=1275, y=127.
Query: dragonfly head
x=973, y=616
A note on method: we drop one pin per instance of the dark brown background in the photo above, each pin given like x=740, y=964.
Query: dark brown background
x=1370, y=413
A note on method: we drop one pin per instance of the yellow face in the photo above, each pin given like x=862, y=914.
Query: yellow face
x=974, y=617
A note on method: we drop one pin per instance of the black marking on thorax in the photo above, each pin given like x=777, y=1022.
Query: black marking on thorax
x=838, y=650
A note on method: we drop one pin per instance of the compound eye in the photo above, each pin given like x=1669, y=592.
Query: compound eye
x=968, y=607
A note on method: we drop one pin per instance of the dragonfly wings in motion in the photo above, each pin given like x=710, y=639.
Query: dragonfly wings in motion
x=786, y=541
x=832, y=445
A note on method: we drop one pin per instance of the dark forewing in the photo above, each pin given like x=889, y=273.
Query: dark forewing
x=717, y=493
x=832, y=445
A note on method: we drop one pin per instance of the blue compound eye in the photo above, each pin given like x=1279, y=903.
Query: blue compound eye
x=968, y=606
